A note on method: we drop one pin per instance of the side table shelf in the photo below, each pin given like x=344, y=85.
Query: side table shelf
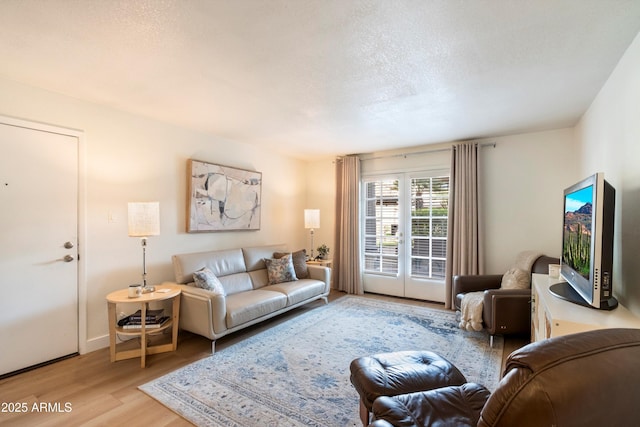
x=121, y=297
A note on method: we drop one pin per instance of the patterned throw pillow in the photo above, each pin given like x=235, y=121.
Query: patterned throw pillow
x=299, y=262
x=280, y=270
x=205, y=279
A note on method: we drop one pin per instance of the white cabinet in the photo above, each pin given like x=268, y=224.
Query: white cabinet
x=552, y=316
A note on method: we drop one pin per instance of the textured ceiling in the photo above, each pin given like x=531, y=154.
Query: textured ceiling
x=325, y=77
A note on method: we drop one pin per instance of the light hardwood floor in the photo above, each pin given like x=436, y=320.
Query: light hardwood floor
x=89, y=390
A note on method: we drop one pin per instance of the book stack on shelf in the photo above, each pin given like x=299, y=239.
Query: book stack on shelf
x=154, y=319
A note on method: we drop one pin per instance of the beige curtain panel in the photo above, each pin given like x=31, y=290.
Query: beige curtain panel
x=346, y=265
x=464, y=250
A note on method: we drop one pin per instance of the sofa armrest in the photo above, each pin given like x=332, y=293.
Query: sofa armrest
x=465, y=284
x=202, y=312
x=322, y=273
x=507, y=311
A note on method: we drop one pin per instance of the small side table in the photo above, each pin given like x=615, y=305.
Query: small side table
x=163, y=292
x=323, y=262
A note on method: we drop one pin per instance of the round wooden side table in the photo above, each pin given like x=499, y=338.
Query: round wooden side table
x=162, y=293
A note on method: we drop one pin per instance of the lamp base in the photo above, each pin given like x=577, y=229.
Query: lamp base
x=148, y=289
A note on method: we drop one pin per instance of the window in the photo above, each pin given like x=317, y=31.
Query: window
x=429, y=212
x=381, y=226
x=385, y=209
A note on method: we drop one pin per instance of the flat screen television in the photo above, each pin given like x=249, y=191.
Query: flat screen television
x=587, y=244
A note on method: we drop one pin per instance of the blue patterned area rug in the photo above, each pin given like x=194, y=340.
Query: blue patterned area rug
x=297, y=373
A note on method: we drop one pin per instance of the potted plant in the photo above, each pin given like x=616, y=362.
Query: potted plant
x=323, y=251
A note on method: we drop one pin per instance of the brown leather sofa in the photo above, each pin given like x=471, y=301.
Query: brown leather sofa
x=579, y=380
x=505, y=311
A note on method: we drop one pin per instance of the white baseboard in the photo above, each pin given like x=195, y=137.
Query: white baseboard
x=97, y=343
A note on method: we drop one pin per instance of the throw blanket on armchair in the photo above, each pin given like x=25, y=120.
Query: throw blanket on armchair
x=472, y=302
x=471, y=311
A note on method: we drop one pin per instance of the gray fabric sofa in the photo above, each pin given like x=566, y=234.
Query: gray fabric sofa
x=249, y=297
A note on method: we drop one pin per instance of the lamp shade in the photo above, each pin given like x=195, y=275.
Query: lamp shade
x=312, y=218
x=144, y=219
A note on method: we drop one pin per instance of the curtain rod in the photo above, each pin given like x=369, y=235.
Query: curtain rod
x=417, y=153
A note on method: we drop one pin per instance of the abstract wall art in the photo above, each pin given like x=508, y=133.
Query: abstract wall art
x=223, y=198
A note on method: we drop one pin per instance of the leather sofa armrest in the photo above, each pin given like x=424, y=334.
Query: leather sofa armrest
x=507, y=311
x=465, y=284
x=200, y=309
x=322, y=273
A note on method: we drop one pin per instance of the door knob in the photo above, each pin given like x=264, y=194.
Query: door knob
x=68, y=258
x=68, y=245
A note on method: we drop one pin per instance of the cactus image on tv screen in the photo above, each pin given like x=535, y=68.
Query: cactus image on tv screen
x=577, y=230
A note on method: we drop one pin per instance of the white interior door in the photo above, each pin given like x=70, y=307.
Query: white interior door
x=38, y=254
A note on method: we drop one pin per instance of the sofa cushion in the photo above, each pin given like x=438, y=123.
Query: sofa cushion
x=280, y=270
x=244, y=307
x=221, y=263
x=299, y=262
x=235, y=283
x=205, y=279
x=299, y=291
x=254, y=256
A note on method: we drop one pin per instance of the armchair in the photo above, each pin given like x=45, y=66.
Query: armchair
x=505, y=311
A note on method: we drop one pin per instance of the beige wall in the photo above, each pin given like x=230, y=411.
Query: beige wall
x=321, y=184
x=523, y=181
x=609, y=139
x=130, y=158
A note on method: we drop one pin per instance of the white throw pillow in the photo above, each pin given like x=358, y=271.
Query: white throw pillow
x=515, y=278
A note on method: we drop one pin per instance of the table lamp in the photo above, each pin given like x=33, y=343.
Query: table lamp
x=312, y=221
x=144, y=221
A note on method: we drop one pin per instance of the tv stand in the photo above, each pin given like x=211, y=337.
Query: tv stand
x=565, y=291
x=554, y=317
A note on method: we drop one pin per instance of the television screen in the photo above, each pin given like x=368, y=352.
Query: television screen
x=587, y=244
x=577, y=230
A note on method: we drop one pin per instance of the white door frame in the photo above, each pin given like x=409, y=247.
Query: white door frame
x=82, y=282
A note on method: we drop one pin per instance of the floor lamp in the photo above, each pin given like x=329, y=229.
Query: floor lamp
x=144, y=221
x=312, y=221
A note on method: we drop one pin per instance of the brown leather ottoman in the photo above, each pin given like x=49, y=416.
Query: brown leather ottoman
x=391, y=374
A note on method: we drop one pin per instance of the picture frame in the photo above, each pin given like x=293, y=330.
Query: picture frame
x=222, y=198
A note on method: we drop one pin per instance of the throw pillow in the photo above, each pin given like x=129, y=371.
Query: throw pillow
x=280, y=270
x=515, y=278
x=205, y=279
x=299, y=262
